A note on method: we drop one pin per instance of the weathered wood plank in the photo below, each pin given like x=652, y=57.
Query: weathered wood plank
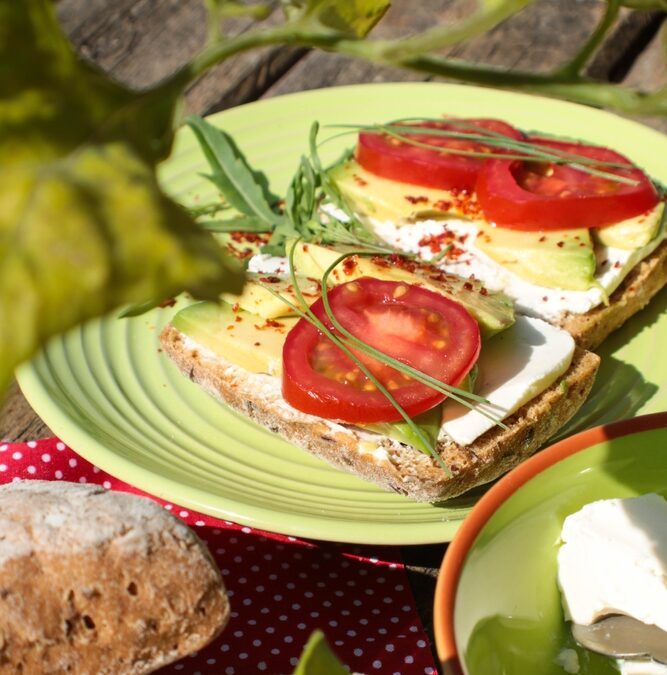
x=139, y=43
x=649, y=72
x=18, y=421
x=532, y=40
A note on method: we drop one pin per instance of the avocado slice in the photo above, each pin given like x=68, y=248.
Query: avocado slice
x=633, y=232
x=562, y=259
x=245, y=339
x=376, y=197
x=493, y=311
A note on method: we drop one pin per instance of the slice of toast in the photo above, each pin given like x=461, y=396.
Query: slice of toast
x=379, y=459
x=643, y=282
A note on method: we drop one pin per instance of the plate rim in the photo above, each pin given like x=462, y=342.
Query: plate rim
x=457, y=552
x=65, y=427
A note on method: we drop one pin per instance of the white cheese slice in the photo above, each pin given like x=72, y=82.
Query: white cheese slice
x=514, y=367
x=642, y=668
x=614, y=560
x=546, y=303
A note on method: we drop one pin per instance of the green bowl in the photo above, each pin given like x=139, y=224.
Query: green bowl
x=498, y=609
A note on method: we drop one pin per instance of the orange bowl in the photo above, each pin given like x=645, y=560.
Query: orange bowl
x=457, y=553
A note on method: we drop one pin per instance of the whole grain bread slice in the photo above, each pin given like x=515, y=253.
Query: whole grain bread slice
x=643, y=282
x=382, y=460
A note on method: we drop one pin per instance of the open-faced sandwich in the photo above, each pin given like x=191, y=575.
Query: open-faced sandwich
x=573, y=233
x=419, y=380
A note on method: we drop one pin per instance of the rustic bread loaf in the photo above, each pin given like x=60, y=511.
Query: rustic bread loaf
x=397, y=467
x=95, y=582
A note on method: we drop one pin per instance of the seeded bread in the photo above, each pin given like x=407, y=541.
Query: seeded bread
x=96, y=582
x=642, y=283
x=394, y=466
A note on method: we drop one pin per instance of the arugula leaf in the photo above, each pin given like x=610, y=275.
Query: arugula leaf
x=84, y=226
x=237, y=224
x=231, y=173
x=318, y=659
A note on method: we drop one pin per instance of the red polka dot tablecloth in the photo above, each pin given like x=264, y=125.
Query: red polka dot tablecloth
x=281, y=588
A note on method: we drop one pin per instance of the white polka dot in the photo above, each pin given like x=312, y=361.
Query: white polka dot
x=183, y=514
x=3, y=447
x=278, y=597
x=394, y=619
x=429, y=671
x=224, y=648
x=389, y=647
x=351, y=633
x=377, y=664
x=210, y=661
x=270, y=630
x=247, y=602
x=31, y=469
x=243, y=655
x=58, y=474
x=409, y=659
x=333, y=624
x=421, y=643
x=314, y=614
x=106, y=485
x=387, y=601
x=358, y=652
x=262, y=665
x=294, y=661
x=32, y=444
x=288, y=639
x=229, y=670
x=238, y=633
x=17, y=455
x=275, y=651
x=256, y=643
x=291, y=539
x=296, y=605
x=308, y=594
x=407, y=608
x=238, y=559
x=200, y=523
x=414, y=629
x=363, y=622
x=169, y=507
x=398, y=588
x=373, y=560
x=83, y=479
x=72, y=462
x=247, y=530
x=260, y=589
x=382, y=631
x=3, y=467
x=179, y=666
x=339, y=643
x=46, y=458
x=96, y=469
x=60, y=446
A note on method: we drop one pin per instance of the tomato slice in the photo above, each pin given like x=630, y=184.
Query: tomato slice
x=416, y=326
x=528, y=195
x=388, y=157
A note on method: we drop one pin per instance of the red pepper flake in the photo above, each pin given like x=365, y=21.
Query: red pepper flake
x=270, y=280
x=436, y=242
x=603, y=263
x=238, y=319
x=257, y=344
x=236, y=307
x=542, y=238
x=230, y=327
x=169, y=302
x=417, y=200
x=560, y=244
x=544, y=298
x=467, y=286
x=443, y=205
x=349, y=265
x=483, y=291
x=617, y=264
x=304, y=248
x=250, y=237
x=455, y=253
x=359, y=180
x=272, y=323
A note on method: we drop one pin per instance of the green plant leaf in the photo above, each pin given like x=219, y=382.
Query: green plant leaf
x=318, y=659
x=351, y=18
x=84, y=226
x=231, y=174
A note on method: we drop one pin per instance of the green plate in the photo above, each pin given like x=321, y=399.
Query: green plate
x=508, y=618
x=107, y=391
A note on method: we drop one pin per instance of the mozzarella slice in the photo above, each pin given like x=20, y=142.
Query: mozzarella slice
x=514, y=367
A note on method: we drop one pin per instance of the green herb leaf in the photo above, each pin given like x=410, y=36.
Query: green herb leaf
x=318, y=659
x=84, y=226
x=231, y=174
x=237, y=224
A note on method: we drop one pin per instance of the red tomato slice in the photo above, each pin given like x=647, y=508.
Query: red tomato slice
x=414, y=325
x=545, y=196
x=388, y=157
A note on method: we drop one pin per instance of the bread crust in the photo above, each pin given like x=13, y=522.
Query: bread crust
x=643, y=282
x=400, y=468
x=100, y=583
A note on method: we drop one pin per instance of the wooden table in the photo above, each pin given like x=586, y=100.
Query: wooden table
x=141, y=41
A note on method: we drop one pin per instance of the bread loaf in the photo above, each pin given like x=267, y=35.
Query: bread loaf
x=95, y=582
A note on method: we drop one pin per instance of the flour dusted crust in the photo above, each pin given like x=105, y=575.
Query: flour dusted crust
x=394, y=466
x=96, y=582
x=643, y=282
